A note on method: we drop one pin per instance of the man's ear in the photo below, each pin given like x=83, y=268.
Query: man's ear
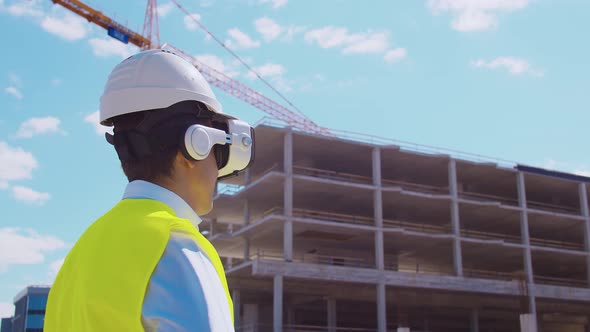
x=182, y=161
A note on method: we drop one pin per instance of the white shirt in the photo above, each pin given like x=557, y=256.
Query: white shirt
x=184, y=292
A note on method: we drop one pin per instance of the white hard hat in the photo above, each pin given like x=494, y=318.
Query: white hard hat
x=150, y=80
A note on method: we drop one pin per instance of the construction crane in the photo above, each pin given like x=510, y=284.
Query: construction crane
x=150, y=39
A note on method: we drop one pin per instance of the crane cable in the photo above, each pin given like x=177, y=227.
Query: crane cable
x=238, y=58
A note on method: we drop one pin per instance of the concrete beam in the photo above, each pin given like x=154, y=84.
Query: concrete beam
x=269, y=268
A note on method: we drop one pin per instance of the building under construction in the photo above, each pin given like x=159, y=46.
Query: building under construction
x=331, y=234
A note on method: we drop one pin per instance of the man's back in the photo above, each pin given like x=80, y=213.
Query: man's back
x=106, y=279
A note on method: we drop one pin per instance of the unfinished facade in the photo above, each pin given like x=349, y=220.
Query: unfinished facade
x=328, y=234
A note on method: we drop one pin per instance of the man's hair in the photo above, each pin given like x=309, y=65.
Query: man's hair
x=159, y=163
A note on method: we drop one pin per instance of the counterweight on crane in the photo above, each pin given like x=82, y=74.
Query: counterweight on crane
x=151, y=39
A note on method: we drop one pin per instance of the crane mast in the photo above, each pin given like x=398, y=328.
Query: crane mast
x=214, y=77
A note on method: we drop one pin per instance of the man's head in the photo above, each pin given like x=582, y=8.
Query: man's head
x=169, y=128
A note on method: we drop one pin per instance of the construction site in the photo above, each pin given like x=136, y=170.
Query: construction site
x=333, y=234
x=339, y=232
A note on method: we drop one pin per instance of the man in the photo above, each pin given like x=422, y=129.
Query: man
x=144, y=266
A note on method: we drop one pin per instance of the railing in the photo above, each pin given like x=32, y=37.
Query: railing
x=514, y=202
x=332, y=175
x=299, y=328
x=557, y=244
x=408, y=226
x=416, y=187
x=487, y=198
x=318, y=259
x=486, y=274
x=490, y=236
x=560, y=281
x=552, y=207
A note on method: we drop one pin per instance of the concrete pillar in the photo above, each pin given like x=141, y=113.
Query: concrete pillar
x=288, y=197
x=455, y=224
x=245, y=223
x=229, y=263
x=524, y=230
x=381, y=308
x=528, y=323
x=332, y=320
x=250, y=317
x=247, y=176
x=474, y=320
x=290, y=315
x=246, y=249
x=212, y=225
x=586, y=214
x=378, y=209
x=237, y=308
x=278, y=304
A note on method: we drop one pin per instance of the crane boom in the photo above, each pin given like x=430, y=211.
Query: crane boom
x=248, y=95
x=213, y=76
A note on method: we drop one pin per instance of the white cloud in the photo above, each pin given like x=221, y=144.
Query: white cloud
x=29, y=195
x=56, y=82
x=475, y=15
x=15, y=80
x=15, y=92
x=292, y=31
x=218, y=64
x=38, y=126
x=268, y=70
x=111, y=47
x=271, y=30
x=25, y=246
x=242, y=39
x=515, y=66
x=582, y=172
x=165, y=9
x=3, y=185
x=350, y=43
x=207, y=3
x=24, y=8
x=396, y=55
x=94, y=119
x=275, y=3
x=370, y=43
x=55, y=266
x=190, y=23
x=6, y=310
x=268, y=28
x=15, y=163
x=69, y=27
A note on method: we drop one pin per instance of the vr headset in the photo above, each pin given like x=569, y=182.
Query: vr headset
x=181, y=125
x=232, y=143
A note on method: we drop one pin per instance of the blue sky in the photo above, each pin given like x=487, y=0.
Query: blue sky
x=503, y=78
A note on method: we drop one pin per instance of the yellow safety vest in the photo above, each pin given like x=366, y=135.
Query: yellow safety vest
x=103, y=281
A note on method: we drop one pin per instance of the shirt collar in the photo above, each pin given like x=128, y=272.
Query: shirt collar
x=143, y=189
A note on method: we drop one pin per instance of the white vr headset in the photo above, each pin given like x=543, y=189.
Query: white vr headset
x=232, y=141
